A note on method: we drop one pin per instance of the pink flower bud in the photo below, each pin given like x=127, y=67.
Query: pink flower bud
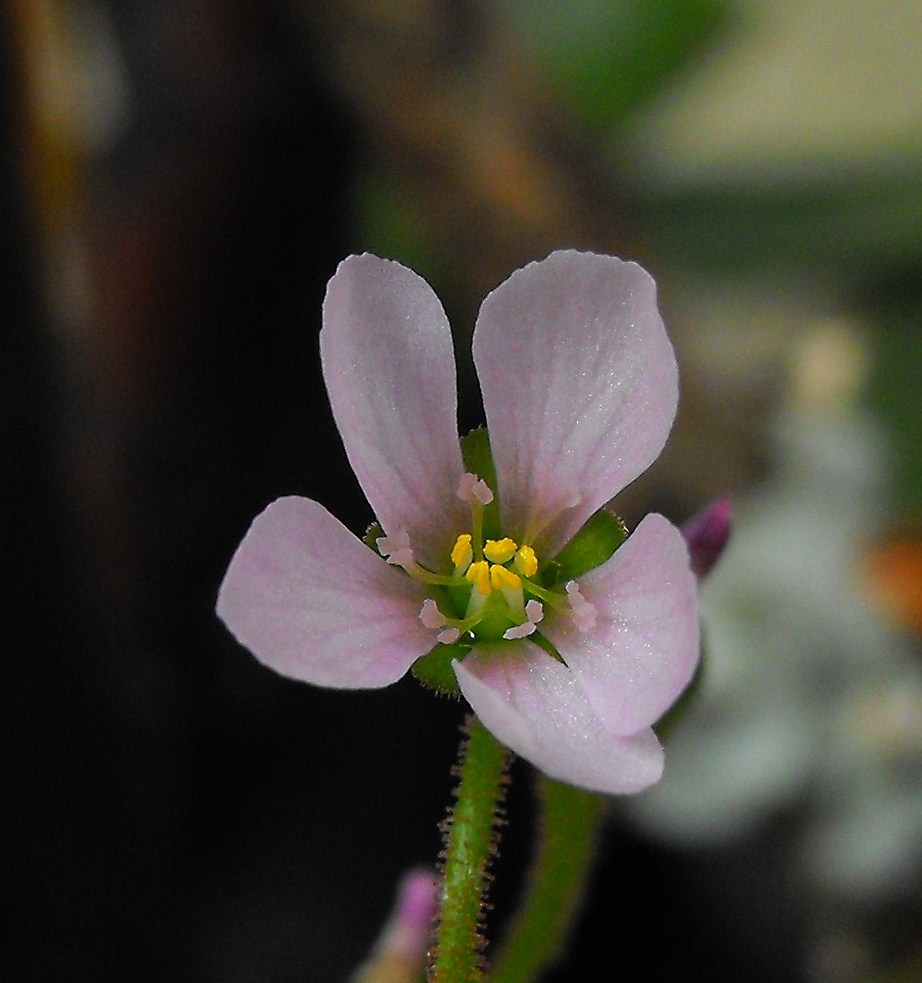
x=706, y=534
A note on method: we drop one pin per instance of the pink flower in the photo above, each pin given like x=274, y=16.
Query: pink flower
x=580, y=388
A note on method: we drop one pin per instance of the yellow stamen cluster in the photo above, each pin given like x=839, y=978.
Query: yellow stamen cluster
x=502, y=600
x=491, y=573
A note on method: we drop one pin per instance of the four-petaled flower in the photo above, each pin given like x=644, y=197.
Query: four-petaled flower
x=580, y=388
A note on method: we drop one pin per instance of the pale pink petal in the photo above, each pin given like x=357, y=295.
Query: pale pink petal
x=644, y=647
x=533, y=705
x=389, y=368
x=579, y=388
x=312, y=602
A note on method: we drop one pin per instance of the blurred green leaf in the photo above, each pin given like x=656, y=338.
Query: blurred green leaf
x=896, y=396
x=841, y=227
x=387, y=221
x=608, y=57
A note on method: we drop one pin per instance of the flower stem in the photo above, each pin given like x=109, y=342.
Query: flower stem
x=568, y=835
x=470, y=844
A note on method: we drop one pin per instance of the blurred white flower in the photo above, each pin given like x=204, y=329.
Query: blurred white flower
x=810, y=697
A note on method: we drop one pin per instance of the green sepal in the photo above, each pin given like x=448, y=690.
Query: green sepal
x=544, y=643
x=434, y=669
x=372, y=534
x=478, y=459
x=598, y=539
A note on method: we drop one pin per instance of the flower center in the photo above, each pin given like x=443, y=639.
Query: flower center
x=494, y=590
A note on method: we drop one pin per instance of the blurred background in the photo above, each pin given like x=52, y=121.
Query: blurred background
x=179, y=181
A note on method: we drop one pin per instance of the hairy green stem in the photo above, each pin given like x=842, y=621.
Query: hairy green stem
x=470, y=844
x=565, y=852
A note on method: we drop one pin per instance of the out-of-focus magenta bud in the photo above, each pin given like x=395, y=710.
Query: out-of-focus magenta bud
x=706, y=534
x=399, y=955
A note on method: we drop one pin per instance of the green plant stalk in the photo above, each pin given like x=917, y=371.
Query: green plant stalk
x=565, y=853
x=470, y=844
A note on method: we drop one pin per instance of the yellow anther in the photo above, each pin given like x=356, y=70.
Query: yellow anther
x=526, y=563
x=479, y=575
x=503, y=579
x=500, y=550
x=462, y=554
